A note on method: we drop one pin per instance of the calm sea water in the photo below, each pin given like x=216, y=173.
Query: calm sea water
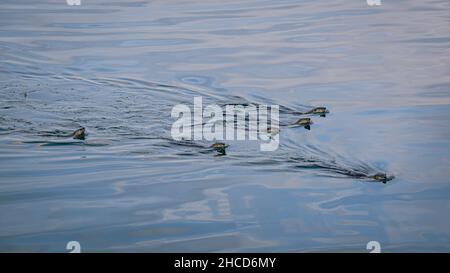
x=118, y=67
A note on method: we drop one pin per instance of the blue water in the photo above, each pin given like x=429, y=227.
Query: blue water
x=118, y=67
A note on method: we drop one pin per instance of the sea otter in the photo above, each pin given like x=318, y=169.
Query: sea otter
x=79, y=134
x=322, y=111
x=219, y=147
x=381, y=177
x=305, y=122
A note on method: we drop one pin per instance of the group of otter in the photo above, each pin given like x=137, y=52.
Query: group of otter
x=220, y=147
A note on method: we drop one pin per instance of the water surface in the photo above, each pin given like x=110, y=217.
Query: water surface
x=117, y=68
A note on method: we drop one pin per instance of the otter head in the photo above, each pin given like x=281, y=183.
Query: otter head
x=382, y=177
x=322, y=111
x=304, y=121
x=79, y=134
x=219, y=147
x=273, y=131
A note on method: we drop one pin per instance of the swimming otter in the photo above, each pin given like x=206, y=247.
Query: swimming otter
x=305, y=122
x=322, y=111
x=219, y=147
x=272, y=131
x=381, y=177
x=79, y=134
